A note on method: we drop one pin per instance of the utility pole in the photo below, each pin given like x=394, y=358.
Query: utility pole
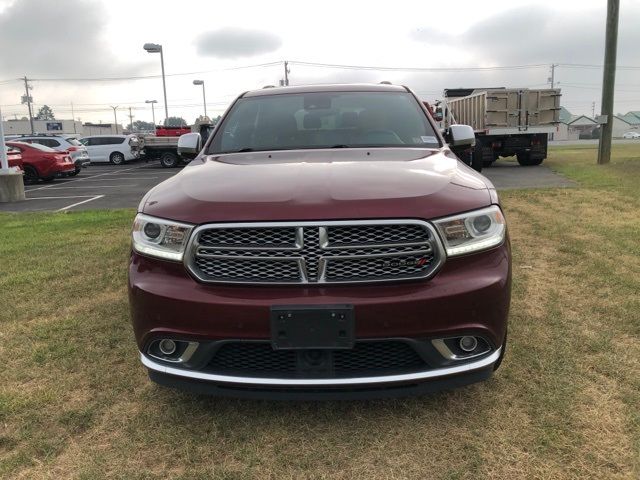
x=286, y=73
x=608, y=81
x=130, y=120
x=552, y=79
x=115, y=117
x=593, y=109
x=27, y=100
x=73, y=119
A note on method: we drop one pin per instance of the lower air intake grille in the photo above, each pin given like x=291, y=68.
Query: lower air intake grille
x=370, y=358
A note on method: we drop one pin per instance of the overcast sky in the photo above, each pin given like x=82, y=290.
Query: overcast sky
x=79, y=39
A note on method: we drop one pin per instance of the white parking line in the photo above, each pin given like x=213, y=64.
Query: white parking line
x=83, y=179
x=80, y=203
x=111, y=178
x=64, y=196
x=91, y=186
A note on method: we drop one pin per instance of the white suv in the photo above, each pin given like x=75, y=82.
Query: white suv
x=116, y=149
x=61, y=143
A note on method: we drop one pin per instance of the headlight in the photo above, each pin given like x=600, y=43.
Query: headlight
x=160, y=238
x=472, y=231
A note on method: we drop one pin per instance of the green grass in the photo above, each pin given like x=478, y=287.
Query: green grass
x=75, y=402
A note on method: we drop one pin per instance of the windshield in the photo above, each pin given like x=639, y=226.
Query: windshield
x=324, y=120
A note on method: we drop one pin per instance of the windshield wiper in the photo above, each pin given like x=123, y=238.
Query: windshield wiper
x=340, y=146
x=245, y=149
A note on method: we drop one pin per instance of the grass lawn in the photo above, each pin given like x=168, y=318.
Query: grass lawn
x=76, y=403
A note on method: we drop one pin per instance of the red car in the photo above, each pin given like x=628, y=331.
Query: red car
x=42, y=163
x=325, y=242
x=14, y=157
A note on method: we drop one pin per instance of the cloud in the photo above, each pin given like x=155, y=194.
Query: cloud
x=529, y=35
x=62, y=38
x=538, y=36
x=237, y=42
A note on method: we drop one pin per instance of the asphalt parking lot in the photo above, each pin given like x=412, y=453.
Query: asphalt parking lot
x=123, y=186
x=96, y=187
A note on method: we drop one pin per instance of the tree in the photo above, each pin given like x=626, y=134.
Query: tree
x=175, y=122
x=45, y=113
x=141, y=126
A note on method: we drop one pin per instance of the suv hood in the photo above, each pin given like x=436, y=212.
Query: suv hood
x=319, y=185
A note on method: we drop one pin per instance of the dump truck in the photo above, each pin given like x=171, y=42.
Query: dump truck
x=506, y=121
x=163, y=145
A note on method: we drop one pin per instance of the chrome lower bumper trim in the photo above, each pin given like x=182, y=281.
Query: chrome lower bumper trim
x=322, y=382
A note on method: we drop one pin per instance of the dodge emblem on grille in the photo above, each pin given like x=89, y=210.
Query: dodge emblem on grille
x=405, y=262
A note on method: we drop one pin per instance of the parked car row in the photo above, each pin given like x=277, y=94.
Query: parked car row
x=45, y=157
x=60, y=143
x=41, y=163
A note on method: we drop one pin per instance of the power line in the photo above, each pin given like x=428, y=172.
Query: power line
x=147, y=77
x=586, y=65
x=416, y=69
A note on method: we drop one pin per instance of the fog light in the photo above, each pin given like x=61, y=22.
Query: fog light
x=468, y=344
x=167, y=347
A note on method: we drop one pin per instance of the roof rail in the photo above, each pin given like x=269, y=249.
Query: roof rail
x=39, y=134
x=385, y=82
x=268, y=86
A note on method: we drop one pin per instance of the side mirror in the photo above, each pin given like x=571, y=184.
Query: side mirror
x=189, y=145
x=462, y=136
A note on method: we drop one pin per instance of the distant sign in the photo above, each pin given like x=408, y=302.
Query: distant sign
x=54, y=126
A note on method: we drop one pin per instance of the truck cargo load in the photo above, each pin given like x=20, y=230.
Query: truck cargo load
x=507, y=121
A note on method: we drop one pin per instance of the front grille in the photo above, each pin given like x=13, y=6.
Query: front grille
x=330, y=252
x=367, y=358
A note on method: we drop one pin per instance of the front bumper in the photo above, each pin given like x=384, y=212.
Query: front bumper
x=65, y=169
x=469, y=295
x=387, y=386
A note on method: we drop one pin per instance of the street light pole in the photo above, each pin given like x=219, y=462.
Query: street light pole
x=204, y=98
x=156, y=48
x=115, y=117
x=164, y=86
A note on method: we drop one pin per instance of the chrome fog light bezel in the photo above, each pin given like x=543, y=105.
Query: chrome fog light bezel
x=183, y=352
x=450, y=349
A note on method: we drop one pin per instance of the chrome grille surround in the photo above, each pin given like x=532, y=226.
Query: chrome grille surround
x=323, y=252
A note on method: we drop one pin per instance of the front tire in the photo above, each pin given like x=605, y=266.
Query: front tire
x=169, y=160
x=524, y=159
x=476, y=157
x=116, y=158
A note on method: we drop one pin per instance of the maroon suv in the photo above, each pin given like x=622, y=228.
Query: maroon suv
x=324, y=242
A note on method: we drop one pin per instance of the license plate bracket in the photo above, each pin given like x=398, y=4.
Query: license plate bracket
x=312, y=327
